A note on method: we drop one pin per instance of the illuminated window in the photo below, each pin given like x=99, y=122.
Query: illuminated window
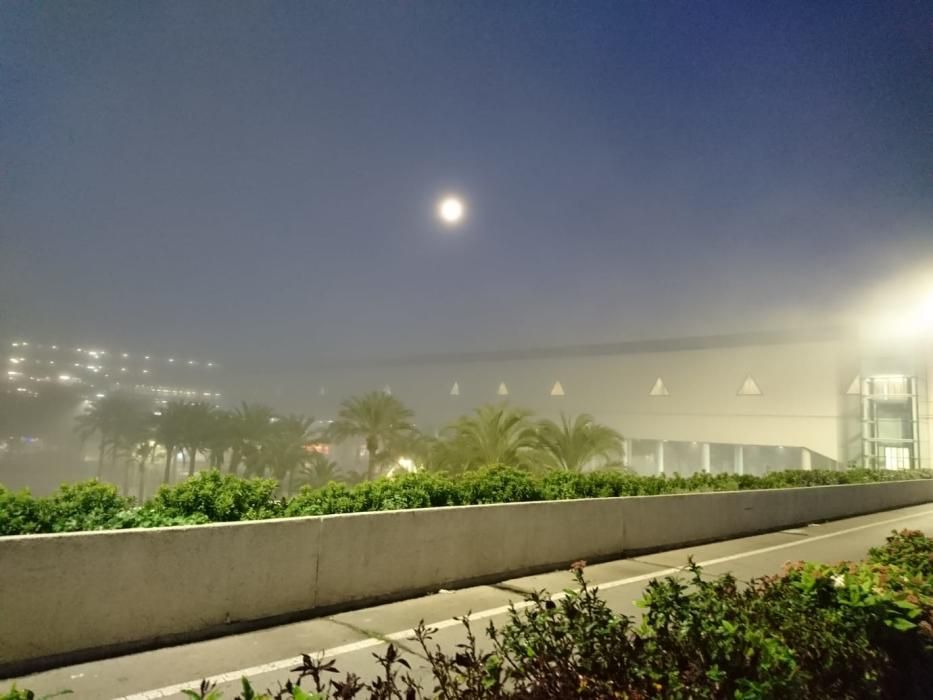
x=659, y=389
x=503, y=390
x=890, y=386
x=455, y=389
x=557, y=389
x=896, y=457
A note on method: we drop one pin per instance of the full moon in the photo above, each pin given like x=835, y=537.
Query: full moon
x=450, y=210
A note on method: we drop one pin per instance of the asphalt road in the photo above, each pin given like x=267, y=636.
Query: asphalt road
x=353, y=637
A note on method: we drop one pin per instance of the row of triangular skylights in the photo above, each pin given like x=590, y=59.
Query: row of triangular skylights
x=749, y=388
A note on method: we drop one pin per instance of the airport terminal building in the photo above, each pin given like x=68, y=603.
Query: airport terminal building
x=743, y=403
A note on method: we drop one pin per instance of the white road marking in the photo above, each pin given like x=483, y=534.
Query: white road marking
x=401, y=635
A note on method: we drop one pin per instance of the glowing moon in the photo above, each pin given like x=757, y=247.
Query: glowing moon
x=450, y=209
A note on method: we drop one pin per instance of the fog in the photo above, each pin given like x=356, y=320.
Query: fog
x=259, y=189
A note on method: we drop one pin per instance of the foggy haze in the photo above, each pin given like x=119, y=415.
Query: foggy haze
x=259, y=185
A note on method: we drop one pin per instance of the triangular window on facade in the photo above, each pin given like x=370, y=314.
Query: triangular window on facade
x=503, y=390
x=557, y=389
x=455, y=389
x=749, y=387
x=387, y=390
x=659, y=389
x=855, y=388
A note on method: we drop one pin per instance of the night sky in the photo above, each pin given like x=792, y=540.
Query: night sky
x=256, y=182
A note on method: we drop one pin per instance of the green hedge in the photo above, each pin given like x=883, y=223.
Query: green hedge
x=214, y=497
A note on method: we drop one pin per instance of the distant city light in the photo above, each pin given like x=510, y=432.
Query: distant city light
x=146, y=357
x=126, y=354
x=16, y=360
x=100, y=396
x=171, y=359
x=64, y=377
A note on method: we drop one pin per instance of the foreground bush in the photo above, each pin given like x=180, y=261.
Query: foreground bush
x=214, y=497
x=815, y=631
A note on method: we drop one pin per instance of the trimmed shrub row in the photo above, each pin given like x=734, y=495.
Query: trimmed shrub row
x=214, y=497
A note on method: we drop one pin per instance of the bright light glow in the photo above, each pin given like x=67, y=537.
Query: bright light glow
x=145, y=371
x=210, y=364
x=171, y=359
x=16, y=360
x=924, y=311
x=126, y=354
x=64, y=377
x=15, y=345
x=123, y=369
x=191, y=362
x=11, y=373
x=406, y=463
x=450, y=210
x=55, y=347
x=146, y=357
x=100, y=396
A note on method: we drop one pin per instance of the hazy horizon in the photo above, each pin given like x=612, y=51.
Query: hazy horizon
x=258, y=184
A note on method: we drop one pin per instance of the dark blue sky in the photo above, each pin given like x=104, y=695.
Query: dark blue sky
x=235, y=178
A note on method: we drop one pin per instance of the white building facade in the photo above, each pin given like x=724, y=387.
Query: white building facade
x=742, y=403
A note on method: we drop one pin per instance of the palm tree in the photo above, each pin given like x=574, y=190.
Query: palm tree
x=491, y=435
x=198, y=425
x=220, y=438
x=249, y=425
x=170, y=433
x=573, y=445
x=318, y=471
x=379, y=419
x=145, y=451
x=286, y=448
x=95, y=421
x=133, y=428
x=114, y=418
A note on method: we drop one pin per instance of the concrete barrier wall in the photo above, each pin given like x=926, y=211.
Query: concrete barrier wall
x=67, y=593
x=74, y=596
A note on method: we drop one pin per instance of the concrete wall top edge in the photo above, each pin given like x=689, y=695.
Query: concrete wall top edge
x=181, y=531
